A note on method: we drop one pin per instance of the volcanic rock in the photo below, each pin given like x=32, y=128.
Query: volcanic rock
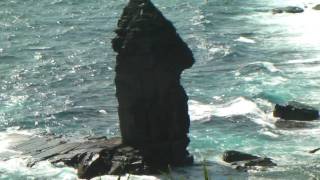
x=153, y=109
x=296, y=111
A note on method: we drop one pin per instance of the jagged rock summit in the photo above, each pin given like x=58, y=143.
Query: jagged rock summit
x=153, y=109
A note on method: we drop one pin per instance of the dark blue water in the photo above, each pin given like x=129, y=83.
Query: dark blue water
x=57, y=71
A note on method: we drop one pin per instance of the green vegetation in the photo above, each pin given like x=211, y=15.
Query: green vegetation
x=205, y=171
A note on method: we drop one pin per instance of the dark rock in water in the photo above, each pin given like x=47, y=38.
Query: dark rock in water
x=233, y=156
x=289, y=9
x=314, y=151
x=317, y=7
x=244, y=161
x=153, y=109
x=296, y=111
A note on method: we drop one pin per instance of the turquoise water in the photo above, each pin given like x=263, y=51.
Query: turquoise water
x=57, y=71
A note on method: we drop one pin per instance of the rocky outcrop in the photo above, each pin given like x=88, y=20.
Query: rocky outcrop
x=233, y=156
x=244, y=161
x=288, y=9
x=296, y=111
x=153, y=108
x=91, y=157
x=317, y=7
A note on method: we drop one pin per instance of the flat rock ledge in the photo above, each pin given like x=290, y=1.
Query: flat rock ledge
x=92, y=157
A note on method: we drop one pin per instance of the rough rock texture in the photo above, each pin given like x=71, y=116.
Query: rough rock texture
x=244, y=161
x=153, y=108
x=296, y=111
x=91, y=157
x=288, y=9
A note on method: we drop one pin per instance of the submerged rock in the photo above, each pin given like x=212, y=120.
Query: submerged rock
x=288, y=9
x=292, y=124
x=296, y=111
x=317, y=7
x=244, y=161
x=153, y=109
x=314, y=151
x=253, y=164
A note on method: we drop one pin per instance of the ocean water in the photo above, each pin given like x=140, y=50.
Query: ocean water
x=57, y=71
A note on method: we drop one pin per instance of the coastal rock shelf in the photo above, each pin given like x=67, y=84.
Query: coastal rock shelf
x=91, y=157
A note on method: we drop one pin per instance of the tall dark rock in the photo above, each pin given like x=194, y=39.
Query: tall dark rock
x=153, y=109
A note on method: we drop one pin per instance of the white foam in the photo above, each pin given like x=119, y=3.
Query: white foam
x=257, y=66
x=199, y=111
x=268, y=133
x=237, y=107
x=16, y=167
x=102, y=111
x=303, y=61
x=270, y=66
x=11, y=136
x=275, y=81
x=245, y=40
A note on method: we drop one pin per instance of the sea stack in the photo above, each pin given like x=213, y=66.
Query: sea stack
x=153, y=109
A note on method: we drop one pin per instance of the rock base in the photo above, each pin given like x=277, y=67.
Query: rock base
x=92, y=157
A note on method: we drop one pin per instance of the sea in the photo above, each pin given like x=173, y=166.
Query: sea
x=57, y=76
